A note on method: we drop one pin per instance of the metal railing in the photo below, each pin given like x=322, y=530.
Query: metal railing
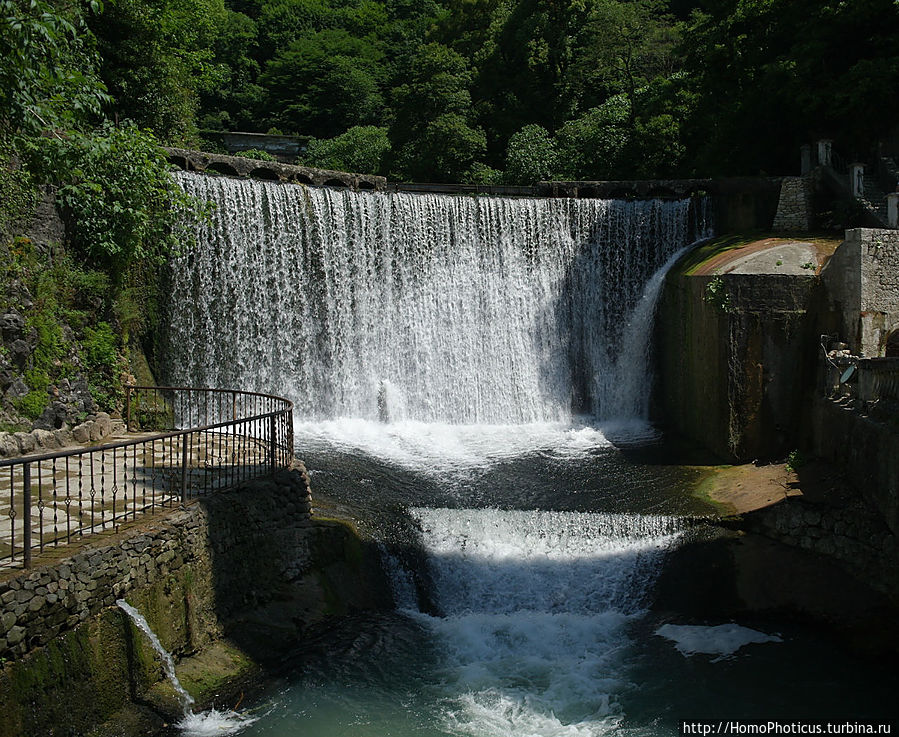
x=193, y=442
x=878, y=378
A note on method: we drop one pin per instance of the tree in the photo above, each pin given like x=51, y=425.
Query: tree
x=47, y=71
x=432, y=136
x=769, y=76
x=594, y=145
x=361, y=150
x=531, y=156
x=156, y=58
x=325, y=83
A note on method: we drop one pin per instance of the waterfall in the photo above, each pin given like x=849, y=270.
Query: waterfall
x=209, y=722
x=416, y=306
x=535, y=614
x=168, y=663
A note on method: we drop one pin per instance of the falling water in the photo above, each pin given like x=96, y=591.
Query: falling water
x=202, y=724
x=415, y=306
x=534, y=614
x=168, y=663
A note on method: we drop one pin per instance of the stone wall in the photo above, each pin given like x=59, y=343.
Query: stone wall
x=737, y=360
x=194, y=575
x=852, y=532
x=862, y=282
x=866, y=448
x=239, y=166
x=794, y=208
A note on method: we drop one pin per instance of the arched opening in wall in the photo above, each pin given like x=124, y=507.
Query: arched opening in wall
x=363, y=184
x=892, y=346
x=181, y=162
x=262, y=173
x=220, y=167
x=587, y=193
x=335, y=183
x=301, y=179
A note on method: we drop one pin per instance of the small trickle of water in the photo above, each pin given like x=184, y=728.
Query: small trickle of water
x=204, y=724
x=168, y=663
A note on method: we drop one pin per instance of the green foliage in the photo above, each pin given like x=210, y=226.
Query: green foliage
x=361, y=149
x=19, y=193
x=716, y=294
x=116, y=187
x=255, y=153
x=157, y=56
x=325, y=81
x=480, y=173
x=795, y=460
x=531, y=156
x=433, y=135
x=47, y=78
x=593, y=146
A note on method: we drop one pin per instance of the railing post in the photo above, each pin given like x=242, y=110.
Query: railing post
x=26, y=515
x=127, y=408
x=233, y=405
x=184, y=469
x=272, y=428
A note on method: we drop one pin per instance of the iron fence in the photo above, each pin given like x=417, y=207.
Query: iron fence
x=191, y=442
x=878, y=378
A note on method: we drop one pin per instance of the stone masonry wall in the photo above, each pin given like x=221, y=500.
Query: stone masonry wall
x=248, y=569
x=852, y=533
x=38, y=605
x=794, y=209
x=862, y=281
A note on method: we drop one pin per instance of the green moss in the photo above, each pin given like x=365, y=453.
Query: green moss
x=70, y=684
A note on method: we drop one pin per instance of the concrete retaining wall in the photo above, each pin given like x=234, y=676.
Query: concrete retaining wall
x=735, y=360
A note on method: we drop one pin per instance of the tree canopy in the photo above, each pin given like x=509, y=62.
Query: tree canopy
x=470, y=89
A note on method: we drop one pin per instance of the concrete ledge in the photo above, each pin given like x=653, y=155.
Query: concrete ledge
x=238, y=166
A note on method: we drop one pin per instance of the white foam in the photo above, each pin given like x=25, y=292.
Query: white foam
x=435, y=448
x=722, y=640
x=538, y=608
x=214, y=723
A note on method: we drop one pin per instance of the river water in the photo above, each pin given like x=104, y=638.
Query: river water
x=473, y=383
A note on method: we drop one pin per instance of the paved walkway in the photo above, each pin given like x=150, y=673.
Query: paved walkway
x=96, y=488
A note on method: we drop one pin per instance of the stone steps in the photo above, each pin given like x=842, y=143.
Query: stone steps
x=874, y=199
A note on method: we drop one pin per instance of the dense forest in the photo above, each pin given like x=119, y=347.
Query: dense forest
x=469, y=90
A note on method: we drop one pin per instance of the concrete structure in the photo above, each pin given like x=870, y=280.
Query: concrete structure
x=238, y=166
x=862, y=287
x=734, y=360
x=285, y=149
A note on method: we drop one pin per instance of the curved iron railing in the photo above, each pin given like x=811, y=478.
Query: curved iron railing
x=194, y=441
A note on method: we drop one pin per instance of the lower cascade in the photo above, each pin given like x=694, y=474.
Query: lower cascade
x=534, y=610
